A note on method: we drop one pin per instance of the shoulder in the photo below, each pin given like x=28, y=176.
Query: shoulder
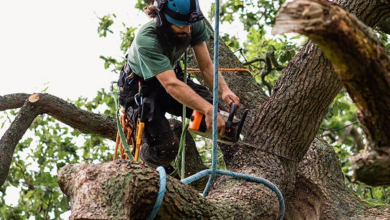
x=147, y=35
x=200, y=33
x=200, y=27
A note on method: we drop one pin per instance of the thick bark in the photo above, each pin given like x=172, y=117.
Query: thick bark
x=320, y=192
x=364, y=73
x=360, y=61
x=125, y=190
x=12, y=101
x=121, y=189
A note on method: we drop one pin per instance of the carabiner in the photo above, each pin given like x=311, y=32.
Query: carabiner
x=140, y=99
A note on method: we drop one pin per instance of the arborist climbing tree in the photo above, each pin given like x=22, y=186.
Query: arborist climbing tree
x=151, y=84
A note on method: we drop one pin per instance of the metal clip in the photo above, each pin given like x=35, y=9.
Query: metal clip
x=140, y=98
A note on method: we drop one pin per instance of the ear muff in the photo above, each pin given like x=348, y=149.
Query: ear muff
x=159, y=19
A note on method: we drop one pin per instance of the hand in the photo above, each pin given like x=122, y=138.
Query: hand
x=220, y=122
x=230, y=97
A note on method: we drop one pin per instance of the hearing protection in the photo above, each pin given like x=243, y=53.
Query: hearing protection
x=178, y=12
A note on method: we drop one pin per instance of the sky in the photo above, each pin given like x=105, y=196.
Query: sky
x=54, y=44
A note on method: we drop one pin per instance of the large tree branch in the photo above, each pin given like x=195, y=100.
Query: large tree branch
x=12, y=101
x=360, y=61
x=63, y=111
x=125, y=190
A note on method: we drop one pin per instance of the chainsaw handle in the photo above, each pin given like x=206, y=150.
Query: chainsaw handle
x=229, y=122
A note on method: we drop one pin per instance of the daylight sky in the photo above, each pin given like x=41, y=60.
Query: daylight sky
x=55, y=45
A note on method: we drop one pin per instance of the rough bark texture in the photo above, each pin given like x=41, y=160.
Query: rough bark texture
x=12, y=101
x=124, y=190
x=360, y=61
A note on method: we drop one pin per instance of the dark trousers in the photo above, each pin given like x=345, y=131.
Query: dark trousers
x=161, y=145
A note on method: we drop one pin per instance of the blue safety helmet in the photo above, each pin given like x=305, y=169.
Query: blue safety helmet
x=178, y=12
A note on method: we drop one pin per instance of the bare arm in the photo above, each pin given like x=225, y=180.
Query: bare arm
x=207, y=70
x=185, y=95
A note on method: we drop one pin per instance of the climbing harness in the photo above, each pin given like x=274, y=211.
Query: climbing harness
x=125, y=134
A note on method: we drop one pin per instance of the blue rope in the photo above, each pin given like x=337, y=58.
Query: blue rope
x=242, y=176
x=161, y=192
x=215, y=101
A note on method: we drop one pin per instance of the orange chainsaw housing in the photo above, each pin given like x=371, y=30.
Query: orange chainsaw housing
x=197, y=122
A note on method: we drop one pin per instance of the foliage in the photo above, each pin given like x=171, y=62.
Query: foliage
x=127, y=37
x=104, y=25
x=37, y=159
x=251, y=13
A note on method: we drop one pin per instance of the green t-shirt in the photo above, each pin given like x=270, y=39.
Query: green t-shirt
x=150, y=55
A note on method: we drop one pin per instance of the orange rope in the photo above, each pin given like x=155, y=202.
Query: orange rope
x=128, y=129
x=223, y=70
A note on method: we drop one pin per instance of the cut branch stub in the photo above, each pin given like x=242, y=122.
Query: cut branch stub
x=360, y=61
x=33, y=98
x=359, y=58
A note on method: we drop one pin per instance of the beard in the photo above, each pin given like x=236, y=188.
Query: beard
x=178, y=40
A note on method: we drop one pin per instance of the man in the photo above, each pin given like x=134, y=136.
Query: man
x=148, y=73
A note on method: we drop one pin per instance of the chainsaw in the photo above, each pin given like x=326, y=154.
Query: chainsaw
x=233, y=125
